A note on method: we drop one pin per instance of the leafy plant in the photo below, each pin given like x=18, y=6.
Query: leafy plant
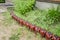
x=2, y=1
x=23, y=6
x=49, y=17
x=53, y=15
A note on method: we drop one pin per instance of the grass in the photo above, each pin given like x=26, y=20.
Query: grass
x=17, y=32
x=36, y=17
x=7, y=19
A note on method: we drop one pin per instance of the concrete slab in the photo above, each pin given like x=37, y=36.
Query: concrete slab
x=45, y=5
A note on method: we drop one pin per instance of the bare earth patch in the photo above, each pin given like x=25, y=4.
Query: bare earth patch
x=11, y=30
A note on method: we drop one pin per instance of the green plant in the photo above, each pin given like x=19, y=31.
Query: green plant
x=23, y=6
x=53, y=15
x=2, y=1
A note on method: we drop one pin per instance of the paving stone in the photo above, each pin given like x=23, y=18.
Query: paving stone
x=45, y=5
x=3, y=9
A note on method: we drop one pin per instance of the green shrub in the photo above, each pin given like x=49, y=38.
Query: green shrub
x=49, y=17
x=23, y=6
x=2, y=1
x=53, y=15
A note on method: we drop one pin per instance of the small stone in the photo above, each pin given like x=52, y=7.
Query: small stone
x=2, y=10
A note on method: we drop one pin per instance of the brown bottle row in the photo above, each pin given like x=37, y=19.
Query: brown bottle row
x=44, y=33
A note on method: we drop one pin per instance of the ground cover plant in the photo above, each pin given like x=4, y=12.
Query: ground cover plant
x=38, y=17
x=47, y=19
x=11, y=30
